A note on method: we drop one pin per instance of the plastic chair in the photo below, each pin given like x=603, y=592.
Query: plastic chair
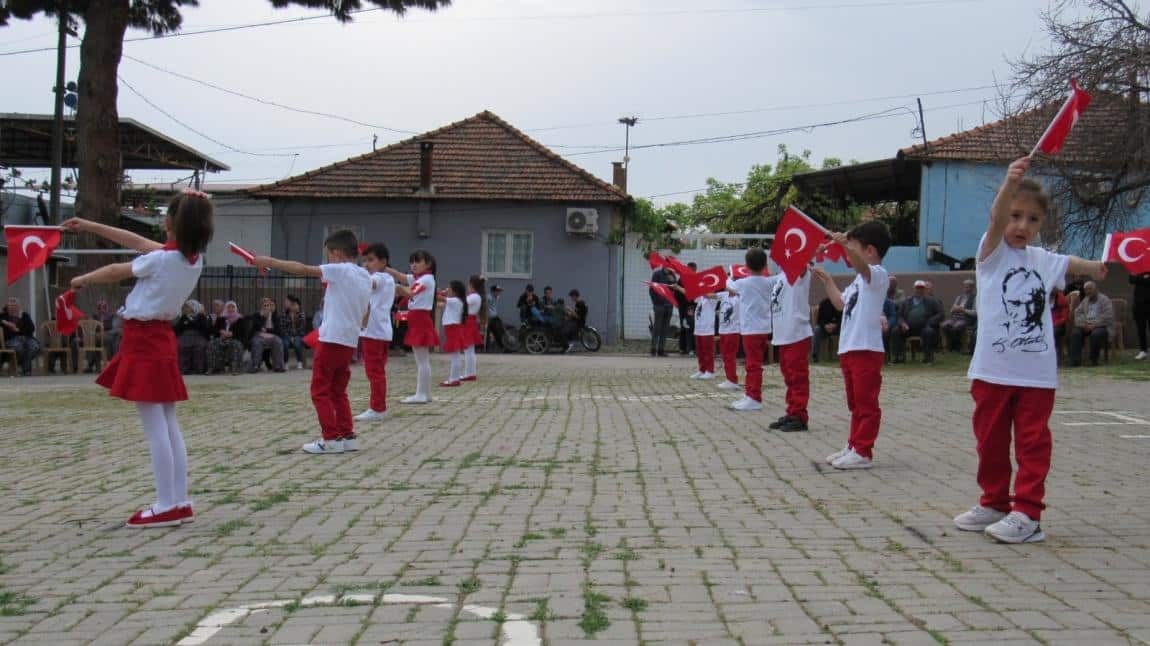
x=54, y=344
x=9, y=355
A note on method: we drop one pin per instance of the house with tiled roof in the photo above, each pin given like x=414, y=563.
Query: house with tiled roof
x=482, y=197
x=954, y=180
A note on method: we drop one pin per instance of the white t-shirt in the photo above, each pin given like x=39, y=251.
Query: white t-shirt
x=728, y=313
x=164, y=280
x=452, y=311
x=862, y=312
x=791, y=310
x=344, y=302
x=474, y=304
x=754, y=303
x=424, y=300
x=1015, y=345
x=382, y=298
x=705, y=315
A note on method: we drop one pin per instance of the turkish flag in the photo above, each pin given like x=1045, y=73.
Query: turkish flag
x=1131, y=248
x=311, y=339
x=67, y=314
x=704, y=282
x=29, y=248
x=248, y=256
x=662, y=290
x=739, y=271
x=679, y=268
x=834, y=253
x=797, y=239
x=655, y=260
x=1051, y=141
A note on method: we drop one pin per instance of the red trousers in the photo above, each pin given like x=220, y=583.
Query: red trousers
x=330, y=372
x=996, y=409
x=862, y=376
x=705, y=352
x=793, y=360
x=729, y=349
x=754, y=347
x=375, y=367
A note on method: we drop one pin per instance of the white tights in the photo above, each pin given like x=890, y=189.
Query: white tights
x=456, y=366
x=469, y=367
x=169, y=455
x=422, y=372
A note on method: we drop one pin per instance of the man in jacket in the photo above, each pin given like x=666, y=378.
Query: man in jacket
x=919, y=315
x=1094, y=318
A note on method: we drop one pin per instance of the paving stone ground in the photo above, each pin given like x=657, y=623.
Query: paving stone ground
x=595, y=496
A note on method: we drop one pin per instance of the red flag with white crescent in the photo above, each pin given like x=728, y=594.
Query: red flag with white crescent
x=67, y=314
x=797, y=239
x=662, y=290
x=29, y=248
x=834, y=252
x=1131, y=248
x=1056, y=133
x=739, y=271
x=704, y=282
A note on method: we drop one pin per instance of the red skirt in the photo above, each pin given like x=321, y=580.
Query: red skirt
x=420, y=330
x=147, y=367
x=456, y=338
x=475, y=335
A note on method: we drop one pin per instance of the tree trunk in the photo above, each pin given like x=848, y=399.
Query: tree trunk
x=97, y=120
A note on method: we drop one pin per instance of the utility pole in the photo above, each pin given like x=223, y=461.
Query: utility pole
x=58, y=115
x=627, y=121
x=922, y=124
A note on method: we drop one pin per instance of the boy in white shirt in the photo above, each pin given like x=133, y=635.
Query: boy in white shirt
x=729, y=339
x=754, y=293
x=376, y=332
x=705, y=336
x=1014, y=371
x=345, y=305
x=860, y=340
x=791, y=324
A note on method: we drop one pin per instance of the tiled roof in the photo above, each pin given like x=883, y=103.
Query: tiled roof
x=1102, y=130
x=480, y=158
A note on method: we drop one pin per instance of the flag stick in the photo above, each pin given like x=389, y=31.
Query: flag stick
x=34, y=226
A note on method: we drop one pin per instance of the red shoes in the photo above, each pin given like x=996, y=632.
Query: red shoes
x=449, y=384
x=170, y=518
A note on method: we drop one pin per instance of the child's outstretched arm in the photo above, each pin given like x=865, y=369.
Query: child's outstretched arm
x=288, y=266
x=400, y=277
x=1000, y=211
x=120, y=236
x=833, y=293
x=1096, y=269
x=107, y=274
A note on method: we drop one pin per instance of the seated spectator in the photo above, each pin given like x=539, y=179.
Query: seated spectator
x=192, y=334
x=1093, y=318
x=548, y=304
x=266, y=333
x=963, y=317
x=227, y=347
x=888, y=322
x=530, y=309
x=20, y=335
x=828, y=320
x=577, y=315
x=217, y=310
x=295, y=328
x=919, y=315
x=104, y=315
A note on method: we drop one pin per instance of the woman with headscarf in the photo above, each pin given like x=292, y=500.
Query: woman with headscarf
x=227, y=348
x=192, y=333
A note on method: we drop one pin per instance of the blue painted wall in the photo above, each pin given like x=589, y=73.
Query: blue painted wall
x=455, y=239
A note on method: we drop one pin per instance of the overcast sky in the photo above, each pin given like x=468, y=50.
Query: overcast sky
x=564, y=72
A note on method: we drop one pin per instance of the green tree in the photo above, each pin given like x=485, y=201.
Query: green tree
x=97, y=119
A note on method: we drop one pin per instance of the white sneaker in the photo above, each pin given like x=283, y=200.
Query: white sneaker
x=1016, y=527
x=1141, y=355
x=323, y=447
x=351, y=444
x=707, y=376
x=852, y=460
x=729, y=385
x=748, y=404
x=697, y=375
x=838, y=454
x=369, y=415
x=299, y=365
x=735, y=404
x=415, y=399
x=978, y=519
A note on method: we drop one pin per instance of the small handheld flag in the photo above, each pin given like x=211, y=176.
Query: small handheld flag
x=797, y=239
x=67, y=314
x=249, y=257
x=1131, y=248
x=29, y=248
x=1056, y=133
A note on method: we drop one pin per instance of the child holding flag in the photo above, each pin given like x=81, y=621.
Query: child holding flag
x=729, y=339
x=1014, y=369
x=146, y=369
x=705, y=336
x=791, y=322
x=754, y=292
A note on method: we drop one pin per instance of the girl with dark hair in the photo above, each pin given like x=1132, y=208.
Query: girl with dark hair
x=458, y=337
x=146, y=370
x=474, y=324
x=419, y=288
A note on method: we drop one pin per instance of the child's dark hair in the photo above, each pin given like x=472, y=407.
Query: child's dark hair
x=423, y=255
x=478, y=285
x=1035, y=191
x=293, y=298
x=756, y=259
x=379, y=250
x=343, y=241
x=873, y=233
x=573, y=293
x=191, y=216
x=460, y=292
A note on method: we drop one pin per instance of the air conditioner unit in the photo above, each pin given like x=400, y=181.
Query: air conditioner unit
x=582, y=221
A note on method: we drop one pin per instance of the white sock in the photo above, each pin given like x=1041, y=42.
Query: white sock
x=160, y=446
x=179, y=456
x=469, y=367
x=422, y=372
x=456, y=365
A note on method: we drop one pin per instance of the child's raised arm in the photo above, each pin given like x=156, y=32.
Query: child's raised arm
x=400, y=277
x=1000, y=211
x=121, y=237
x=857, y=261
x=288, y=266
x=833, y=293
